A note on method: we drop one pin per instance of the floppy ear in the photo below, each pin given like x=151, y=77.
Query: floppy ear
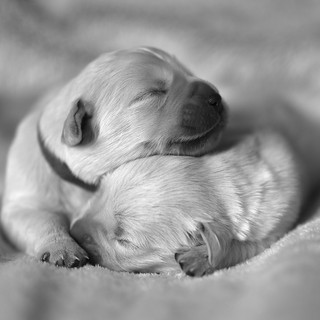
x=212, y=242
x=77, y=128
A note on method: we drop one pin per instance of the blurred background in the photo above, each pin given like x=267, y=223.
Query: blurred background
x=246, y=48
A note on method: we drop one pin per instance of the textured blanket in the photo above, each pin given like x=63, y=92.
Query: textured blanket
x=252, y=51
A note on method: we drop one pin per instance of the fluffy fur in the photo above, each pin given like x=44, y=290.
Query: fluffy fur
x=207, y=213
x=123, y=106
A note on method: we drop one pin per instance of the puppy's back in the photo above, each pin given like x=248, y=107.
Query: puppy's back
x=264, y=174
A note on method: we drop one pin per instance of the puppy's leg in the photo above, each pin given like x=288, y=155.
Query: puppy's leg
x=203, y=259
x=43, y=234
x=194, y=261
x=32, y=203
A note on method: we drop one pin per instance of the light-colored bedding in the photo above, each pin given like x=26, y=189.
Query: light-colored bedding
x=253, y=51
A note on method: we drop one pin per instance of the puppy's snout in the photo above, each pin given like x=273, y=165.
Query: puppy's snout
x=203, y=109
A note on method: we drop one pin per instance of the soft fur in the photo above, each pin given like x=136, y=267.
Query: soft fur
x=213, y=211
x=125, y=105
x=246, y=48
x=206, y=213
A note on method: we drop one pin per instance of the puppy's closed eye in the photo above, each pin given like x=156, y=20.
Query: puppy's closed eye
x=157, y=91
x=148, y=94
x=124, y=242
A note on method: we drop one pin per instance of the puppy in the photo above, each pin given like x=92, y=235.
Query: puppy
x=123, y=106
x=154, y=214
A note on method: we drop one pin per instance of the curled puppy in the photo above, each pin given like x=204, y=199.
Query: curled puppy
x=123, y=106
x=202, y=213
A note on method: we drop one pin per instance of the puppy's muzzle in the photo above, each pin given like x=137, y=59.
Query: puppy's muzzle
x=202, y=111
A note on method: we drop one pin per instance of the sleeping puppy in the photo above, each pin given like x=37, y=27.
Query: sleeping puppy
x=123, y=106
x=204, y=213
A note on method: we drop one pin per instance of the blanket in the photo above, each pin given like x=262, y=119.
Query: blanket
x=252, y=51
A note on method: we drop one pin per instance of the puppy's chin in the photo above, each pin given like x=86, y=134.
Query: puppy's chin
x=185, y=145
x=195, y=147
x=200, y=144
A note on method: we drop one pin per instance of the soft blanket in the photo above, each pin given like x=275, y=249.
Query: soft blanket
x=253, y=51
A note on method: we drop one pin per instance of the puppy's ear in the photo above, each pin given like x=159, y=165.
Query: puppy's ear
x=212, y=242
x=78, y=129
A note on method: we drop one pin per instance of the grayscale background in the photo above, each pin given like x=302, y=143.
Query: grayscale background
x=251, y=50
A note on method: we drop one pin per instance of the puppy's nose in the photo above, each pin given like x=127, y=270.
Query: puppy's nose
x=202, y=110
x=215, y=101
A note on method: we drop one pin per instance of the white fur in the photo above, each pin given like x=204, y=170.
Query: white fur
x=36, y=201
x=159, y=202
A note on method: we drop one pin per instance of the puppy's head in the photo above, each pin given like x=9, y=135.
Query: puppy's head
x=132, y=104
x=146, y=210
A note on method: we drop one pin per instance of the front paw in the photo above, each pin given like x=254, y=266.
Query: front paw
x=194, y=261
x=64, y=253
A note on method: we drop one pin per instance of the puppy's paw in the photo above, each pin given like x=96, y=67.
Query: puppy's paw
x=194, y=261
x=64, y=253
